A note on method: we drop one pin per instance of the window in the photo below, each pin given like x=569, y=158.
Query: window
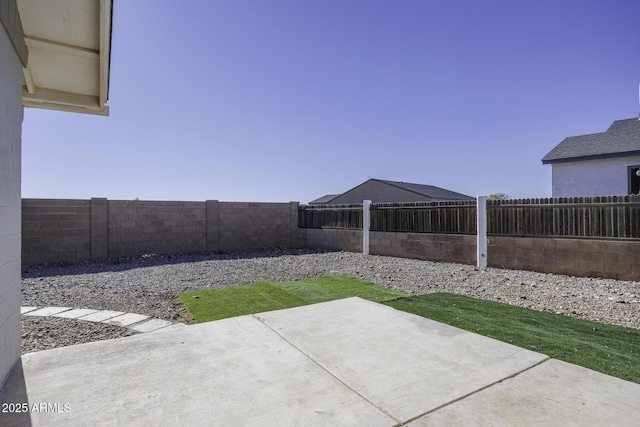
x=634, y=180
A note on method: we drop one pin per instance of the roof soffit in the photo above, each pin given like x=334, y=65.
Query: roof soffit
x=69, y=44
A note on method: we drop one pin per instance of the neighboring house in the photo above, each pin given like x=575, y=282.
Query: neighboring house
x=380, y=190
x=600, y=164
x=324, y=199
x=53, y=55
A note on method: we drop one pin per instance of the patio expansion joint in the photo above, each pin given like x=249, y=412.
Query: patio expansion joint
x=328, y=371
x=478, y=390
x=136, y=322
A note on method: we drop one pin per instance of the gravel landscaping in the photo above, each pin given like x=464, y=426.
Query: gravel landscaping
x=149, y=285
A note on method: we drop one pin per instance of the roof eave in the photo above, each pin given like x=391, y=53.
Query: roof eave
x=591, y=157
x=88, y=98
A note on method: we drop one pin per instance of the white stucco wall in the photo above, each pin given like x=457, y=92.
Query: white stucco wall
x=10, y=148
x=606, y=177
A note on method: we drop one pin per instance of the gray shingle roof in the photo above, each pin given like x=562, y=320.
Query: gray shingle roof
x=324, y=199
x=380, y=190
x=621, y=139
x=428, y=190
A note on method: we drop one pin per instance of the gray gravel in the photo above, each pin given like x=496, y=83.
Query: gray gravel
x=149, y=285
x=44, y=333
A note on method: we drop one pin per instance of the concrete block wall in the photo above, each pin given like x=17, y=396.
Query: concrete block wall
x=11, y=114
x=433, y=247
x=332, y=239
x=99, y=228
x=244, y=225
x=138, y=227
x=61, y=230
x=615, y=259
x=55, y=230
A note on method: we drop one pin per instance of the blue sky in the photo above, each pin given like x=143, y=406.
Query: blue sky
x=273, y=100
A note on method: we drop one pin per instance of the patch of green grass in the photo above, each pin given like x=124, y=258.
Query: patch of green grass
x=335, y=287
x=613, y=350
x=214, y=304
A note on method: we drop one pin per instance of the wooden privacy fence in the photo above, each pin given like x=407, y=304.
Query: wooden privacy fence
x=598, y=217
x=330, y=216
x=455, y=217
x=615, y=217
x=450, y=217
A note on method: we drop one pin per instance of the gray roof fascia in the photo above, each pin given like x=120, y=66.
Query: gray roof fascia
x=593, y=157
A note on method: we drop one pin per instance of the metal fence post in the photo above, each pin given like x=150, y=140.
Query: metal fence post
x=366, y=224
x=481, y=209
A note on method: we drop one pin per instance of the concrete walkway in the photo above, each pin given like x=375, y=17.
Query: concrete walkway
x=133, y=321
x=349, y=362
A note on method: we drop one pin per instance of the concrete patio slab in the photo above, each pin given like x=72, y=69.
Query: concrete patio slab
x=554, y=393
x=405, y=364
x=234, y=372
x=126, y=319
x=151, y=325
x=75, y=313
x=101, y=315
x=342, y=363
x=47, y=311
